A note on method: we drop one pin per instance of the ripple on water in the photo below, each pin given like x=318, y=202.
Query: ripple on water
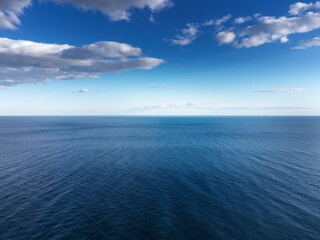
x=159, y=178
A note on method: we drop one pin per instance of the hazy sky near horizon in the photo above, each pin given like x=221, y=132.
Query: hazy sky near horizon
x=159, y=57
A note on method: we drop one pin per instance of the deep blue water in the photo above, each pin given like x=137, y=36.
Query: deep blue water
x=160, y=178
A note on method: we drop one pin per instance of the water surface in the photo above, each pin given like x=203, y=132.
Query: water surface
x=160, y=178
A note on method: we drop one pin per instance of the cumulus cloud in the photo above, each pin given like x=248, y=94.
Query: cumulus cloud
x=117, y=9
x=271, y=29
x=187, y=36
x=278, y=90
x=299, y=7
x=101, y=50
x=225, y=37
x=308, y=43
x=10, y=10
x=31, y=62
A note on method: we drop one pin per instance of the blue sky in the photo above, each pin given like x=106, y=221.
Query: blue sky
x=159, y=57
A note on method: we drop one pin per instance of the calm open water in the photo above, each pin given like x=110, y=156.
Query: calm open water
x=160, y=178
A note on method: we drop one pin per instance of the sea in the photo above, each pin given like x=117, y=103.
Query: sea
x=170, y=178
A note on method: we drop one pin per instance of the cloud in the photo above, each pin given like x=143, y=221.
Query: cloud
x=225, y=37
x=188, y=105
x=217, y=22
x=84, y=91
x=271, y=29
x=308, y=43
x=299, y=7
x=10, y=10
x=241, y=20
x=117, y=9
x=160, y=106
x=101, y=50
x=281, y=90
x=193, y=104
x=196, y=107
x=280, y=108
x=152, y=19
x=187, y=36
x=31, y=62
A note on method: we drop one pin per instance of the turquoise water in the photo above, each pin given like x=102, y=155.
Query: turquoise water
x=160, y=178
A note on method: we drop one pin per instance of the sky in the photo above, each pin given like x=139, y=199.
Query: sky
x=159, y=57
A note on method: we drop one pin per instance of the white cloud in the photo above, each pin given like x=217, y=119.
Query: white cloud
x=223, y=20
x=241, y=20
x=160, y=106
x=308, y=43
x=272, y=29
x=278, y=90
x=117, y=9
x=217, y=22
x=225, y=37
x=284, y=39
x=31, y=62
x=193, y=104
x=10, y=10
x=208, y=23
x=299, y=7
x=189, y=105
x=101, y=50
x=152, y=19
x=84, y=90
x=187, y=36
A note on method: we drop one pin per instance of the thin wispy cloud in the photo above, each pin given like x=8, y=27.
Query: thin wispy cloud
x=217, y=22
x=152, y=19
x=197, y=107
x=10, y=10
x=272, y=108
x=31, y=62
x=304, y=44
x=157, y=107
x=187, y=35
x=241, y=20
x=193, y=104
x=85, y=90
x=280, y=90
x=168, y=106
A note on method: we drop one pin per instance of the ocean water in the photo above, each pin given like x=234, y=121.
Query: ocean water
x=160, y=178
